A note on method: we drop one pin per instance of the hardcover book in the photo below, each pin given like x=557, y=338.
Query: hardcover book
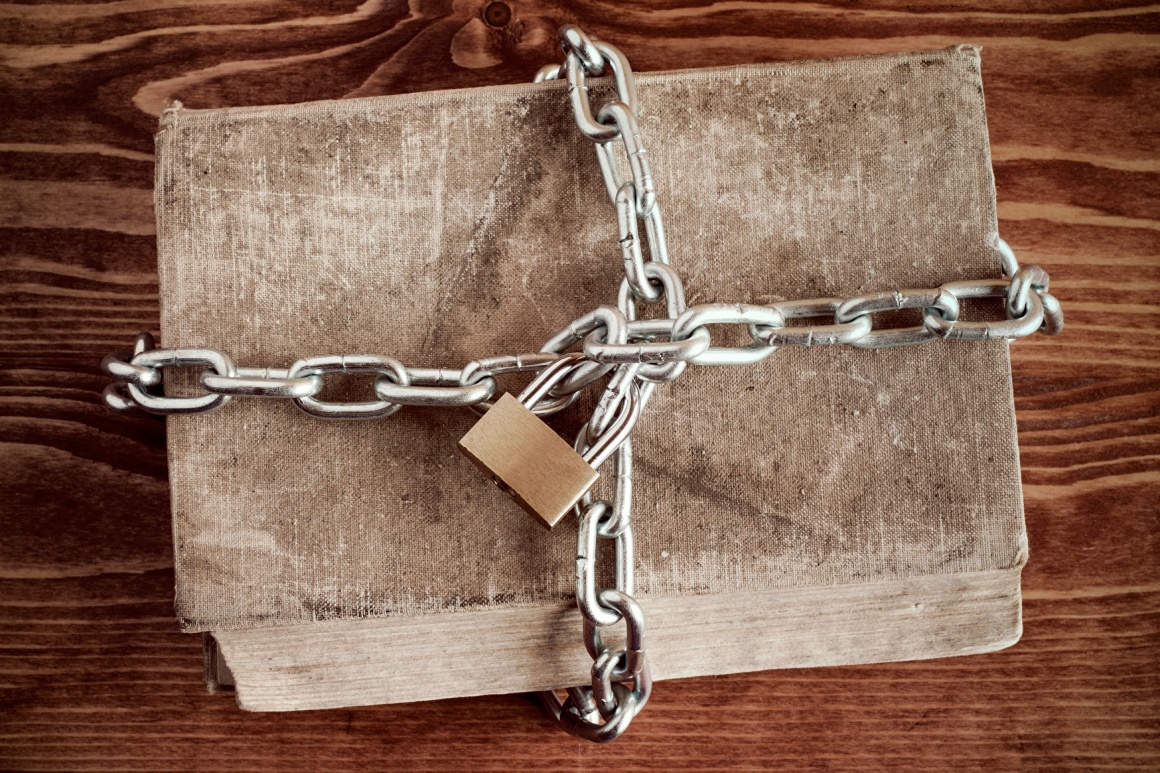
x=828, y=506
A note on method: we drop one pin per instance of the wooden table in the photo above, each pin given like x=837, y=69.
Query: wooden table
x=93, y=671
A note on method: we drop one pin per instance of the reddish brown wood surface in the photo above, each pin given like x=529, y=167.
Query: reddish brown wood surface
x=93, y=672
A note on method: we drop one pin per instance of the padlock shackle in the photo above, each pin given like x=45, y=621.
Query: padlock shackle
x=618, y=430
x=548, y=378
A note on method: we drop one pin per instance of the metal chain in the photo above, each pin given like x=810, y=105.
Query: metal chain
x=638, y=353
x=609, y=337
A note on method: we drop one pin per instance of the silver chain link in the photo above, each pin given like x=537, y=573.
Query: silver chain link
x=638, y=353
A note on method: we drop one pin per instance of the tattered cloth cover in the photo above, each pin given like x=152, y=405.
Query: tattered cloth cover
x=441, y=227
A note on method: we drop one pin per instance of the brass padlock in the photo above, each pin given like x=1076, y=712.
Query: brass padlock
x=529, y=461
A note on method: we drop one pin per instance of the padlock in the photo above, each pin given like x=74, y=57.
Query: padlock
x=525, y=458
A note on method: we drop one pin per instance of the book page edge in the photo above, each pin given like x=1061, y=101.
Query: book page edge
x=400, y=660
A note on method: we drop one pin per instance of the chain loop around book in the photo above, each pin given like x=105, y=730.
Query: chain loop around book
x=635, y=354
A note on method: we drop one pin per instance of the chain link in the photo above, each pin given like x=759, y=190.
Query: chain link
x=638, y=353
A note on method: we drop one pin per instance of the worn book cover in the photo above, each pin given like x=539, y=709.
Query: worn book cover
x=828, y=505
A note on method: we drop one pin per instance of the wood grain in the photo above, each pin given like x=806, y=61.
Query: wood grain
x=93, y=673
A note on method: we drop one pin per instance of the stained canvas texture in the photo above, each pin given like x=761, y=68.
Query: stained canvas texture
x=442, y=227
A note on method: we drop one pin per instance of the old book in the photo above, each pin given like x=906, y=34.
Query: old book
x=830, y=505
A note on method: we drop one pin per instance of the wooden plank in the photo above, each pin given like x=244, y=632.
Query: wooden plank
x=93, y=674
